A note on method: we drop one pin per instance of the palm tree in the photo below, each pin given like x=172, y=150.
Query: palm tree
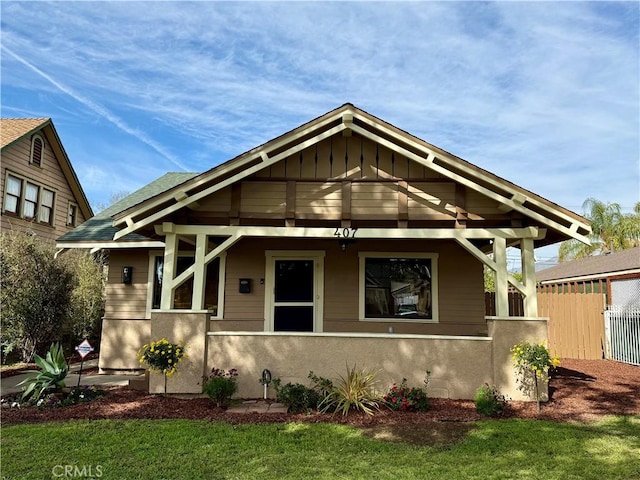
x=612, y=230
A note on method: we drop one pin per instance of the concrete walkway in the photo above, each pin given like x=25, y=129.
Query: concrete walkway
x=9, y=385
x=257, y=406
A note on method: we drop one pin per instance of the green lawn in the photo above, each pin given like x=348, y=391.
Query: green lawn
x=175, y=449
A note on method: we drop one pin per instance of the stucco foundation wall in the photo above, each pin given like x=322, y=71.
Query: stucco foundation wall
x=506, y=332
x=190, y=328
x=458, y=365
x=120, y=341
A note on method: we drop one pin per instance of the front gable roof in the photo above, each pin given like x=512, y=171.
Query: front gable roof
x=344, y=120
x=15, y=129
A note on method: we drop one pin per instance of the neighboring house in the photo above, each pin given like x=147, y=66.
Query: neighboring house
x=615, y=274
x=40, y=192
x=594, y=306
x=345, y=241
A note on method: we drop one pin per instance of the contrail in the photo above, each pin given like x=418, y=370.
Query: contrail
x=100, y=110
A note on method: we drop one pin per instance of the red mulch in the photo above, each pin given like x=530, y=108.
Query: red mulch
x=581, y=390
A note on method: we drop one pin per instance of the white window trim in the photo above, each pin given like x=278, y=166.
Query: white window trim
x=222, y=276
x=269, y=284
x=434, y=286
x=44, y=146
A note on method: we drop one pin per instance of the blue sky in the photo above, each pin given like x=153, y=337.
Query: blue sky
x=545, y=94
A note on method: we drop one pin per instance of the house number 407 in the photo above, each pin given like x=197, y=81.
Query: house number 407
x=345, y=232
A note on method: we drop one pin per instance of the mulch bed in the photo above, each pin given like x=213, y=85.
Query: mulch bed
x=581, y=390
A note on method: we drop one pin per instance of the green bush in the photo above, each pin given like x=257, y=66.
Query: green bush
x=354, y=391
x=53, y=371
x=220, y=386
x=401, y=397
x=489, y=401
x=297, y=397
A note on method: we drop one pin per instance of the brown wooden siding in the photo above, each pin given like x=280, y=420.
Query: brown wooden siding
x=460, y=284
x=15, y=158
x=127, y=301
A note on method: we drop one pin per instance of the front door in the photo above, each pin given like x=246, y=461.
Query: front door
x=296, y=292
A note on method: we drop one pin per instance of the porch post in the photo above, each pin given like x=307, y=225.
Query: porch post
x=200, y=268
x=529, y=277
x=502, y=284
x=168, y=272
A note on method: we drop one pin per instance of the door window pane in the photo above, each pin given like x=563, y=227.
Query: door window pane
x=294, y=281
x=293, y=319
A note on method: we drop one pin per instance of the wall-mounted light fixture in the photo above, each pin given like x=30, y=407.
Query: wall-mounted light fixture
x=127, y=275
x=343, y=242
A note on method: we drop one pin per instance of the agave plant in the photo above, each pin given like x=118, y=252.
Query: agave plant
x=53, y=371
x=354, y=391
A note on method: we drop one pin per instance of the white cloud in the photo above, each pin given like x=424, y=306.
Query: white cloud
x=544, y=94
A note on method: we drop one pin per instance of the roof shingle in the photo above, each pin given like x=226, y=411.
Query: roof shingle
x=603, y=265
x=11, y=129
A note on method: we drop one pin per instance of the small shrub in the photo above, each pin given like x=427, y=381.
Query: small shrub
x=52, y=373
x=355, y=391
x=489, y=401
x=220, y=386
x=297, y=397
x=532, y=363
x=401, y=397
x=320, y=384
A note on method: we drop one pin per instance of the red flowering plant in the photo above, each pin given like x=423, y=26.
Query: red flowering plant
x=403, y=398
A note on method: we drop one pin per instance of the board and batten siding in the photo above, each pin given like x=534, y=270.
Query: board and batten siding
x=15, y=159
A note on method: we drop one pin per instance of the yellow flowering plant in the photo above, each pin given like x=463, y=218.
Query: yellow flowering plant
x=162, y=356
x=532, y=363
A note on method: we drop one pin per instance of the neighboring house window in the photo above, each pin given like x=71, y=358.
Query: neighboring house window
x=29, y=200
x=46, y=206
x=399, y=287
x=13, y=194
x=72, y=216
x=37, y=150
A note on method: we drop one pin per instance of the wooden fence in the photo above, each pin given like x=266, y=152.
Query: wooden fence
x=576, y=321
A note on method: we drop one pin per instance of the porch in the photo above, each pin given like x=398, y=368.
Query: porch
x=458, y=364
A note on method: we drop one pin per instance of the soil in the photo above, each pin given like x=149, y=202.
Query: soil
x=580, y=390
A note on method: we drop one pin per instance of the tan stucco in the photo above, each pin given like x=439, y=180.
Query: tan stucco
x=188, y=329
x=120, y=341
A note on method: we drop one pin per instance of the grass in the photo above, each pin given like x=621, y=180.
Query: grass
x=176, y=449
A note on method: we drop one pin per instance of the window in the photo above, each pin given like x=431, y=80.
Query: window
x=37, y=150
x=28, y=200
x=398, y=287
x=46, y=207
x=72, y=215
x=183, y=294
x=13, y=195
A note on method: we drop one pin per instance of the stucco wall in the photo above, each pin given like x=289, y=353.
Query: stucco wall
x=291, y=357
x=189, y=329
x=120, y=341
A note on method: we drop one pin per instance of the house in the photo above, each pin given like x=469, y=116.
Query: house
x=615, y=274
x=593, y=304
x=40, y=193
x=344, y=241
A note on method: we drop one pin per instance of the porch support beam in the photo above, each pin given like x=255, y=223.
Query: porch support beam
x=533, y=233
x=168, y=272
x=529, y=278
x=502, y=290
x=199, y=273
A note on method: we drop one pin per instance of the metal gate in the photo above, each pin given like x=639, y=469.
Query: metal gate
x=622, y=330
